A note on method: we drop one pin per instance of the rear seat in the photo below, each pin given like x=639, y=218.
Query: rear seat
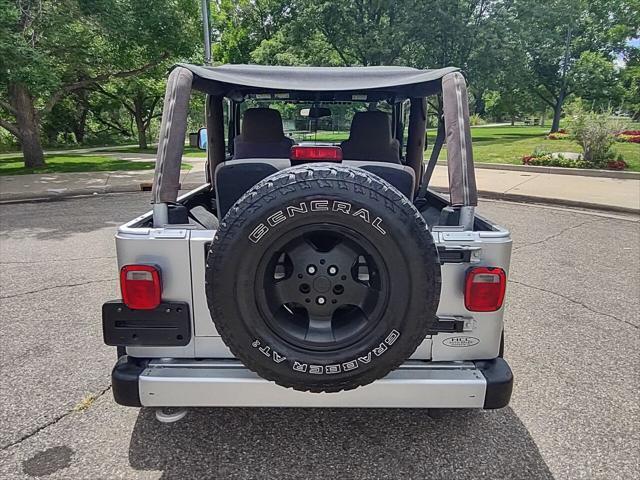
x=262, y=135
x=370, y=139
x=234, y=177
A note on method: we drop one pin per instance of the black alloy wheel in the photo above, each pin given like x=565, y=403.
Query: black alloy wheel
x=322, y=287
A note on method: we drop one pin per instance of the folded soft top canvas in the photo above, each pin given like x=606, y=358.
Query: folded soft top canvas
x=402, y=80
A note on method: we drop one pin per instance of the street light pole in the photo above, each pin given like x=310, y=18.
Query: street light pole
x=206, y=32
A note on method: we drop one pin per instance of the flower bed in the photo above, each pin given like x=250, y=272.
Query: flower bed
x=559, y=135
x=631, y=136
x=547, y=159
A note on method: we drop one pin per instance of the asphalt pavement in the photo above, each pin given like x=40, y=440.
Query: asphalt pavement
x=571, y=333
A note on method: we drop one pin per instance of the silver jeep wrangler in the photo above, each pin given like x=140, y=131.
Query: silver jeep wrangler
x=312, y=274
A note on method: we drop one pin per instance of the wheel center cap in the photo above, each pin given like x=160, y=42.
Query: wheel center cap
x=321, y=284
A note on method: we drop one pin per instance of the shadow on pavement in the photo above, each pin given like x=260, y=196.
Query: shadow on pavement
x=337, y=444
x=63, y=217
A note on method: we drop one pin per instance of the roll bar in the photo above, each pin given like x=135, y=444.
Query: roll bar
x=462, y=184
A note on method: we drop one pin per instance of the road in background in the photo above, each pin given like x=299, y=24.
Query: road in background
x=571, y=338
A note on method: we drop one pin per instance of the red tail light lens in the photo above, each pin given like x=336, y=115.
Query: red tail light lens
x=140, y=286
x=484, y=289
x=316, y=154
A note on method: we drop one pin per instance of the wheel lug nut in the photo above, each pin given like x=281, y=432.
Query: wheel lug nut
x=311, y=269
x=321, y=300
x=332, y=270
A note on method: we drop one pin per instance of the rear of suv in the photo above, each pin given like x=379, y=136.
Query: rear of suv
x=314, y=273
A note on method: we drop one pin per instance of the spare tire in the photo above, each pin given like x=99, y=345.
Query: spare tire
x=323, y=278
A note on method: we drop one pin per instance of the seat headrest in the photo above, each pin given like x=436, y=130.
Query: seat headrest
x=374, y=125
x=262, y=125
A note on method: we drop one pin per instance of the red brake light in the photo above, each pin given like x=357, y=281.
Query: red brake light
x=484, y=289
x=314, y=154
x=140, y=286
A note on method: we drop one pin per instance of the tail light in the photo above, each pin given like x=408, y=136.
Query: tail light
x=315, y=154
x=140, y=286
x=484, y=289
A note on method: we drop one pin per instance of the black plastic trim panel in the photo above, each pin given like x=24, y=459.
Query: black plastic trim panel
x=169, y=325
x=454, y=255
x=124, y=380
x=499, y=382
x=446, y=326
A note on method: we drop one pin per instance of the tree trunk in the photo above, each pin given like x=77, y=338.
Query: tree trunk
x=557, y=109
x=80, y=128
x=142, y=132
x=480, y=106
x=80, y=125
x=27, y=121
x=557, y=113
x=141, y=126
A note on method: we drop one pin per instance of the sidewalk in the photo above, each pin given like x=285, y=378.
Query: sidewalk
x=622, y=195
x=68, y=151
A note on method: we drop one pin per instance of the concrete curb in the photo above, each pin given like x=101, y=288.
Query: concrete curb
x=581, y=172
x=141, y=187
x=514, y=197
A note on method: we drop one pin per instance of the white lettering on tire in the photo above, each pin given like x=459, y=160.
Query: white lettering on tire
x=300, y=367
x=333, y=369
x=329, y=369
x=365, y=359
x=302, y=208
x=267, y=351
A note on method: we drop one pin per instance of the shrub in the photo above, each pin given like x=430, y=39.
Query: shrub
x=595, y=132
x=541, y=151
x=617, y=165
x=476, y=120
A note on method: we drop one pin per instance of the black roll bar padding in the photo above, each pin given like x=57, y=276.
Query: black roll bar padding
x=416, y=135
x=215, y=134
x=462, y=180
x=173, y=129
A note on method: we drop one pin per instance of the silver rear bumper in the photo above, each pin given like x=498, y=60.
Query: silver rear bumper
x=227, y=383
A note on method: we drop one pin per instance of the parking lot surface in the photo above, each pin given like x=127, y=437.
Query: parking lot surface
x=572, y=340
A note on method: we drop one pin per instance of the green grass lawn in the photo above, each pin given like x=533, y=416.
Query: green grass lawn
x=73, y=163
x=509, y=144
x=321, y=136
x=188, y=151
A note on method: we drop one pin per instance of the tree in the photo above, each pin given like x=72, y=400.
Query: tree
x=140, y=97
x=373, y=32
x=239, y=26
x=556, y=33
x=51, y=49
x=596, y=80
x=288, y=47
x=630, y=81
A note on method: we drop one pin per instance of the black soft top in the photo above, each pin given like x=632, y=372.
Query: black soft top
x=398, y=82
